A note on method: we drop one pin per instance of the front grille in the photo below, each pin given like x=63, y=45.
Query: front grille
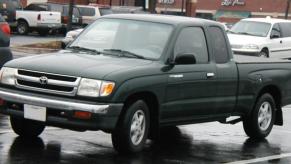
x=47, y=82
x=49, y=76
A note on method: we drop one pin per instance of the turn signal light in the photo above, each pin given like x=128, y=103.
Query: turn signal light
x=82, y=115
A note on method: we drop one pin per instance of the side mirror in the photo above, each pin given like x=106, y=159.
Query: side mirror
x=185, y=58
x=274, y=36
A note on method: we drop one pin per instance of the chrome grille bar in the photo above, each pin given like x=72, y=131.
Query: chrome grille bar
x=53, y=86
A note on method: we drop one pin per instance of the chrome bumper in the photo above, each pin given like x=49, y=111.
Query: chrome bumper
x=54, y=103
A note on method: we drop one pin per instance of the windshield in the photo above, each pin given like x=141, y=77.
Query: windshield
x=251, y=28
x=145, y=39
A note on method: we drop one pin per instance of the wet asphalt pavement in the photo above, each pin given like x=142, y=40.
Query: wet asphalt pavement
x=199, y=143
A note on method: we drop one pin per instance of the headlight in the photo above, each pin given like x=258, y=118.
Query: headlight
x=95, y=88
x=8, y=75
x=251, y=46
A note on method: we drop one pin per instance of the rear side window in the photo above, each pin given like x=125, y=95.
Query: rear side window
x=220, y=50
x=34, y=7
x=86, y=11
x=56, y=7
x=192, y=40
x=286, y=29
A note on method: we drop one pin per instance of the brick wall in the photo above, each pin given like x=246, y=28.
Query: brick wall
x=250, y=5
x=83, y=2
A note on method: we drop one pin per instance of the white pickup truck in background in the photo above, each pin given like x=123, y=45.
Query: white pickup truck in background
x=41, y=21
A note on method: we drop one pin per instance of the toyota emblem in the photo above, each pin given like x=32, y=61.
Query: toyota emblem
x=43, y=80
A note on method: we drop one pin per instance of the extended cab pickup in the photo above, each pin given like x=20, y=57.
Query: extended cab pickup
x=41, y=21
x=131, y=75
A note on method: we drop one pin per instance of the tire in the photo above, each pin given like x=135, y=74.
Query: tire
x=263, y=54
x=130, y=133
x=26, y=128
x=22, y=28
x=259, y=124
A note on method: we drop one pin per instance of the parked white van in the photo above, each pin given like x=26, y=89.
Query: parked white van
x=265, y=37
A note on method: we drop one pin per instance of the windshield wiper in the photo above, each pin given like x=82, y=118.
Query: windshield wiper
x=84, y=49
x=125, y=53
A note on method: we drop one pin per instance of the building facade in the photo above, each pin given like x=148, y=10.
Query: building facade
x=227, y=10
x=221, y=10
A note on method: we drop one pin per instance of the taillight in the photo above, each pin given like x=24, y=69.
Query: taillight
x=65, y=20
x=39, y=17
x=5, y=28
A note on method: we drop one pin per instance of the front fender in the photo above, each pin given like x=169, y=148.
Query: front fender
x=153, y=84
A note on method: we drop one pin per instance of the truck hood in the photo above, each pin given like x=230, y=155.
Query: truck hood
x=76, y=64
x=237, y=39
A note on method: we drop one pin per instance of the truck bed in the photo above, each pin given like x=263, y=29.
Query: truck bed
x=242, y=59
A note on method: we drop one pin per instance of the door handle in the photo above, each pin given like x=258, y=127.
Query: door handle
x=281, y=41
x=210, y=75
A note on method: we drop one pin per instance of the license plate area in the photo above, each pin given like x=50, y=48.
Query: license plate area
x=33, y=112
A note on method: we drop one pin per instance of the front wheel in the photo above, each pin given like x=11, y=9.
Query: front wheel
x=260, y=123
x=264, y=54
x=132, y=129
x=26, y=128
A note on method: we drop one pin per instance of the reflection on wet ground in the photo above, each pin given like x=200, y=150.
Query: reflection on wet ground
x=201, y=143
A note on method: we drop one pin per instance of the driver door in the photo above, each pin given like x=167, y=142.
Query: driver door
x=191, y=88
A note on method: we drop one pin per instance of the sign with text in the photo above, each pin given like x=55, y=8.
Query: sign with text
x=233, y=3
x=168, y=2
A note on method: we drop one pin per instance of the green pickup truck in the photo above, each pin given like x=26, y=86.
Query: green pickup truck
x=131, y=75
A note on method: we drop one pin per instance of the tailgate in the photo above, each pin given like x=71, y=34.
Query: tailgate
x=50, y=17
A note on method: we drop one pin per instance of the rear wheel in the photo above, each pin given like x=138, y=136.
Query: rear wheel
x=26, y=128
x=132, y=130
x=260, y=123
x=22, y=27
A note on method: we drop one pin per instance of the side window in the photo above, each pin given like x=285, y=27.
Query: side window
x=276, y=31
x=286, y=29
x=192, y=40
x=220, y=50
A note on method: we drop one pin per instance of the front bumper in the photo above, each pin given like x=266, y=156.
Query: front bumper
x=60, y=110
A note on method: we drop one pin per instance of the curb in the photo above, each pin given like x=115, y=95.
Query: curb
x=33, y=50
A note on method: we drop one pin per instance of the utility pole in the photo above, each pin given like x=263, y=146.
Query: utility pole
x=287, y=9
x=152, y=6
x=71, y=6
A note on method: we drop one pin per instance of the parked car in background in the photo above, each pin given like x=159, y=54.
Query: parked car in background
x=127, y=10
x=8, y=9
x=41, y=21
x=5, y=52
x=70, y=36
x=63, y=9
x=91, y=12
x=265, y=37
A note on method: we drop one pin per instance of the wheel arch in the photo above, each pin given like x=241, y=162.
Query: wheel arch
x=23, y=20
x=153, y=104
x=277, y=96
x=266, y=49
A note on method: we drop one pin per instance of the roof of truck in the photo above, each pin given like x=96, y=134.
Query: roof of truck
x=167, y=19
